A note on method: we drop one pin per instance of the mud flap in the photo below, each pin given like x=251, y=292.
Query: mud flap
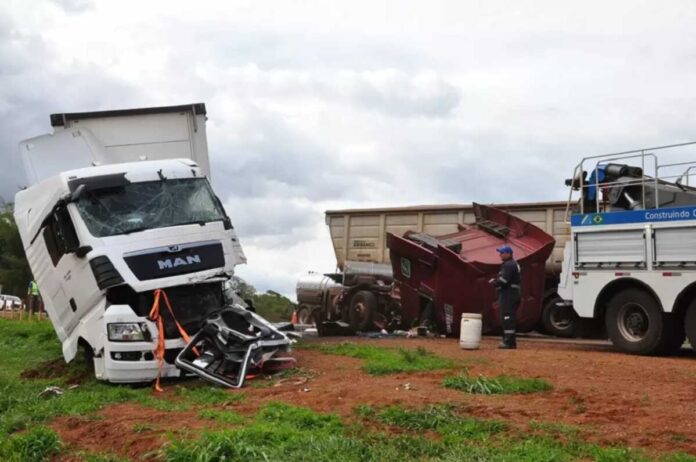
x=234, y=344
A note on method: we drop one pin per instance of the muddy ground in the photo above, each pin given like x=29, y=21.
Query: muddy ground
x=642, y=402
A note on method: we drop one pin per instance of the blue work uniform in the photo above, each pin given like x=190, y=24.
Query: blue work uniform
x=509, y=288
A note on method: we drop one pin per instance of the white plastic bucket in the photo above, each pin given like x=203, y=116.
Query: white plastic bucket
x=470, y=331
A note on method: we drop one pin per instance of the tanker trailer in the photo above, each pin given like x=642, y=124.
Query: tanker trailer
x=358, y=299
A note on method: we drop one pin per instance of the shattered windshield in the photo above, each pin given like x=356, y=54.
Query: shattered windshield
x=147, y=205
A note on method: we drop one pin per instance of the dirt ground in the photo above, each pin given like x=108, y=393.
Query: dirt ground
x=644, y=402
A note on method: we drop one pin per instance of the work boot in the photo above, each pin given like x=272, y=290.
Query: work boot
x=509, y=342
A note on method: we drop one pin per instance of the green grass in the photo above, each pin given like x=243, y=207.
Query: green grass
x=288, y=433
x=381, y=361
x=556, y=429
x=102, y=458
x=469, y=439
x=166, y=404
x=34, y=343
x=277, y=431
x=223, y=417
x=294, y=434
x=207, y=395
x=33, y=446
x=142, y=428
x=502, y=384
x=441, y=418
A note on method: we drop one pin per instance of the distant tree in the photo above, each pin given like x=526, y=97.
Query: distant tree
x=243, y=288
x=14, y=268
x=273, y=306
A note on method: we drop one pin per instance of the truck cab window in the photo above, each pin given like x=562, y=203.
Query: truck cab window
x=59, y=235
x=149, y=205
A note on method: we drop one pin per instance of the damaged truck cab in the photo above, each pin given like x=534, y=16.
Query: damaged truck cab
x=119, y=206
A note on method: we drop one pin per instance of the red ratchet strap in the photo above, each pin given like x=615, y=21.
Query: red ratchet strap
x=157, y=318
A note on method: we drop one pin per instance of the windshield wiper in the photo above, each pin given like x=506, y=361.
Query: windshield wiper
x=198, y=222
x=133, y=230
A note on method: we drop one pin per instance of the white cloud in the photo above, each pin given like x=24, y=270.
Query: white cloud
x=322, y=105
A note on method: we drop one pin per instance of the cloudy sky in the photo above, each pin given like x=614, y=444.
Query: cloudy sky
x=317, y=105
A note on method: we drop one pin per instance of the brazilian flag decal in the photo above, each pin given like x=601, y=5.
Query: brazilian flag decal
x=598, y=219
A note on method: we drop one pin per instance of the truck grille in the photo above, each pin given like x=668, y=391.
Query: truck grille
x=174, y=260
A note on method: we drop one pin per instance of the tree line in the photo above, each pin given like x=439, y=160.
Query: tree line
x=14, y=268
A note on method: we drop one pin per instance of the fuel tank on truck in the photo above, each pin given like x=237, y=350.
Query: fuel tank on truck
x=442, y=277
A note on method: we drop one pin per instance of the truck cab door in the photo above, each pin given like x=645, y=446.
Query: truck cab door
x=74, y=290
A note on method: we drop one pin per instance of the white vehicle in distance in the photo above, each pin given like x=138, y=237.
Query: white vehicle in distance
x=10, y=302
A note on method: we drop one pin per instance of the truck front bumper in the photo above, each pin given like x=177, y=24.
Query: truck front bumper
x=129, y=362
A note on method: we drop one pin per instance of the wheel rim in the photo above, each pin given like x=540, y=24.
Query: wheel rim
x=360, y=310
x=561, y=318
x=634, y=322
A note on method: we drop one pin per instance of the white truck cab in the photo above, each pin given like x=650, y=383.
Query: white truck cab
x=119, y=206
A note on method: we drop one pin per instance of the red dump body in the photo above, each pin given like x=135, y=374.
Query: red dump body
x=453, y=270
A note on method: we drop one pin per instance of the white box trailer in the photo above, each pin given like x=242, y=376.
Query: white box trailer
x=86, y=139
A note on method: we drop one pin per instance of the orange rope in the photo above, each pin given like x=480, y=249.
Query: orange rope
x=157, y=318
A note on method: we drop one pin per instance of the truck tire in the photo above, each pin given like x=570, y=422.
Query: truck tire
x=363, y=305
x=304, y=315
x=561, y=321
x=318, y=316
x=636, y=324
x=676, y=334
x=690, y=324
x=87, y=354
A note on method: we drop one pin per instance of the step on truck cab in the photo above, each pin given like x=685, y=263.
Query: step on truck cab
x=631, y=258
x=119, y=205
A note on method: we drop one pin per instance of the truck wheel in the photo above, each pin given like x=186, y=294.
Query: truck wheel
x=675, y=334
x=561, y=321
x=635, y=323
x=87, y=355
x=362, y=306
x=304, y=315
x=690, y=324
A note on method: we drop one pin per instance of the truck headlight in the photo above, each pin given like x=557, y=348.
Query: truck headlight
x=128, y=332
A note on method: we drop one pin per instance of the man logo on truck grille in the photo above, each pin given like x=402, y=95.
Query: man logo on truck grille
x=406, y=267
x=173, y=263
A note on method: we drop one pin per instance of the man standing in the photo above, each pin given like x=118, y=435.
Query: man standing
x=33, y=304
x=509, y=288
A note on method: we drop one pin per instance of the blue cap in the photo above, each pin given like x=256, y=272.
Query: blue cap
x=504, y=249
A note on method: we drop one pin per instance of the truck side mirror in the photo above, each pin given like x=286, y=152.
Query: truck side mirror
x=83, y=250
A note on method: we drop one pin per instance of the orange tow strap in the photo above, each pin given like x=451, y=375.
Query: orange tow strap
x=157, y=318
